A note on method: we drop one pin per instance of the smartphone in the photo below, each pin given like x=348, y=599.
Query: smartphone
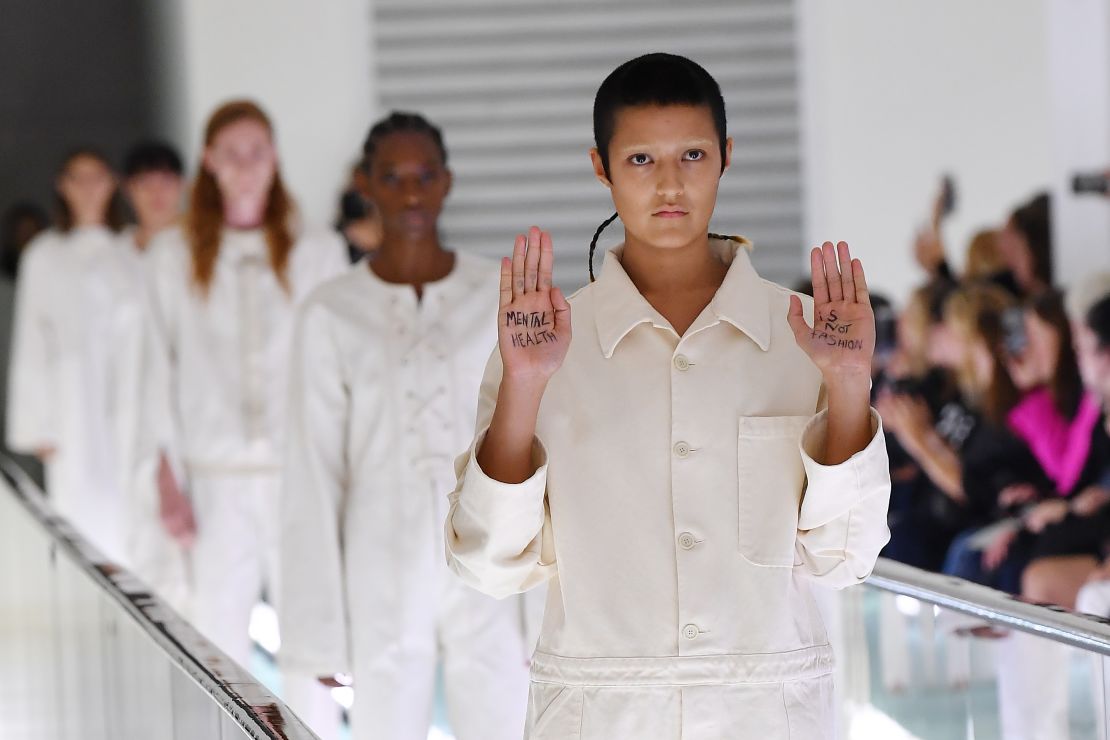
x=947, y=195
x=1014, y=339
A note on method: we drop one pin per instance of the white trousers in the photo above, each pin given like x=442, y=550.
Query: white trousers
x=1094, y=598
x=234, y=558
x=1032, y=687
x=477, y=640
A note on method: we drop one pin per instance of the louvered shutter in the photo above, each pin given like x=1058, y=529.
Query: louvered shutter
x=512, y=83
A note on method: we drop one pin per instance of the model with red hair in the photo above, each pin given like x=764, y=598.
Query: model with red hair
x=225, y=287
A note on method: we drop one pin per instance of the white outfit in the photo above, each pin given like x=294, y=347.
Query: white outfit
x=384, y=390
x=679, y=515
x=219, y=371
x=72, y=382
x=1094, y=598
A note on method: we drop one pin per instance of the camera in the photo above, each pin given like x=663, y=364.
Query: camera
x=1091, y=182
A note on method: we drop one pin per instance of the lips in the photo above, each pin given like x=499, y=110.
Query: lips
x=670, y=213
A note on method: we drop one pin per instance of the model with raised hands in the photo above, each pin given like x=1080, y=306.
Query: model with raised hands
x=78, y=318
x=387, y=363
x=225, y=286
x=680, y=449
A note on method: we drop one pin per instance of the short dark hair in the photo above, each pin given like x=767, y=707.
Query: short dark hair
x=152, y=156
x=1098, y=321
x=401, y=122
x=655, y=79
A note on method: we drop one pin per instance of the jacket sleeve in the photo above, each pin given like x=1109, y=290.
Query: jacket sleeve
x=33, y=379
x=498, y=535
x=842, y=523
x=312, y=605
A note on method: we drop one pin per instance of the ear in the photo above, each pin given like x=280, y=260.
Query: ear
x=450, y=181
x=599, y=168
x=728, y=155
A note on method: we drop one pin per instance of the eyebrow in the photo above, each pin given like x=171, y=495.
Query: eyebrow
x=692, y=143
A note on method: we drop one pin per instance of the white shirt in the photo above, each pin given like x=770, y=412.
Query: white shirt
x=383, y=396
x=679, y=513
x=73, y=382
x=222, y=357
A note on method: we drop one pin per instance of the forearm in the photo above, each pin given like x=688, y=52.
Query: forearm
x=506, y=451
x=849, y=419
x=940, y=464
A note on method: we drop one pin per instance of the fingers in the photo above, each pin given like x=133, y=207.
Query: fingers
x=547, y=261
x=863, y=295
x=519, y=248
x=832, y=272
x=562, y=312
x=817, y=269
x=796, y=318
x=532, y=260
x=844, y=264
x=506, y=294
x=532, y=264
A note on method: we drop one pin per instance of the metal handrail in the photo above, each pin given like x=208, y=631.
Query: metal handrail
x=1084, y=631
x=252, y=706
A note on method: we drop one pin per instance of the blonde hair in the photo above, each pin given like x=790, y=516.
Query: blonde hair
x=974, y=312
x=983, y=257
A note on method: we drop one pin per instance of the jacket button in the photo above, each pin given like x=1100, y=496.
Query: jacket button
x=687, y=541
x=681, y=363
x=690, y=632
x=682, y=449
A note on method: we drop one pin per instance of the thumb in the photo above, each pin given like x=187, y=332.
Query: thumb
x=562, y=311
x=796, y=318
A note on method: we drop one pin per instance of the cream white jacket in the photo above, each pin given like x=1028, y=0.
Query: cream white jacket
x=680, y=515
x=73, y=380
x=218, y=363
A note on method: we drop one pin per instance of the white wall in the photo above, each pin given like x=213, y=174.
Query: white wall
x=894, y=95
x=1079, y=68
x=308, y=65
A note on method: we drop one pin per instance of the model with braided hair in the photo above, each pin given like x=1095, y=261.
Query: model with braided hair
x=678, y=450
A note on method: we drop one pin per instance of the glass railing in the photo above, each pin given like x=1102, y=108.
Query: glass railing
x=928, y=656
x=87, y=653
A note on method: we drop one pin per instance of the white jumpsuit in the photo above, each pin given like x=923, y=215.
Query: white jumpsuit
x=219, y=376
x=679, y=514
x=73, y=382
x=384, y=391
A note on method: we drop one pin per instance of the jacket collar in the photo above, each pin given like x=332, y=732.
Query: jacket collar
x=741, y=300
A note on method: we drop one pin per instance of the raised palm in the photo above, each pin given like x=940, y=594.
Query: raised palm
x=841, y=341
x=533, y=320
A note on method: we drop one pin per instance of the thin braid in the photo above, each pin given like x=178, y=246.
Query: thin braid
x=593, y=242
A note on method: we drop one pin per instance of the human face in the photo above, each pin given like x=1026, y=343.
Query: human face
x=944, y=347
x=1014, y=249
x=1044, y=344
x=86, y=185
x=243, y=160
x=408, y=183
x=156, y=198
x=664, y=170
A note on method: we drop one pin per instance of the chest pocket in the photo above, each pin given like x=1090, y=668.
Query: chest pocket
x=771, y=479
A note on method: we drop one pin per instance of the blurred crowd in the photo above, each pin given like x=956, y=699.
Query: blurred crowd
x=993, y=384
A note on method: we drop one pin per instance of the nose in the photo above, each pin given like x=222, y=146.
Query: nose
x=669, y=185
x=412, y=192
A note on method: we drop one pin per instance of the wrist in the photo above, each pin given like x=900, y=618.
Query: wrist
x=523, y=387
x=849, y=386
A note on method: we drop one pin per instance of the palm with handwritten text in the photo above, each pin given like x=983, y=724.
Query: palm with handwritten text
x=533, y=320
x=841, y=341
